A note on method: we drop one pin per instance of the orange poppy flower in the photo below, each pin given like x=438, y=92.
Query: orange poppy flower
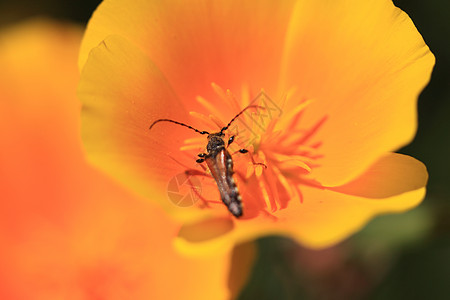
x=335, y=86
x=66, y=231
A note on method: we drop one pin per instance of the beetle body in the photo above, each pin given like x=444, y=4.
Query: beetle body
x=220, y=164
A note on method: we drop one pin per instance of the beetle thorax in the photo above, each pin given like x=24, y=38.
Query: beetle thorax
x=215, y=143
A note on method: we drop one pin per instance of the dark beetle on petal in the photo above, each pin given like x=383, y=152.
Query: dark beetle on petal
x=220, y=163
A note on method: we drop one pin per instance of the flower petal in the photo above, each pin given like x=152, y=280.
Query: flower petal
x=391, y=175
x=123, y=92
x=66, y=231
x=195, y=43
x=328, y=216
x=38, y=78
x=364, y=64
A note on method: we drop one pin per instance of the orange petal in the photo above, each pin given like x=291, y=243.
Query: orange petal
x=123, y=92
x=67, y=232
x=38, y=110
x=365, y=64
x=231, y=43
x=394, y=183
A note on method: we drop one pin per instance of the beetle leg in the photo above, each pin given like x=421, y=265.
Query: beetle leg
x=193, y=172
x=244, y=151
x=260, y=164
x=230, y=140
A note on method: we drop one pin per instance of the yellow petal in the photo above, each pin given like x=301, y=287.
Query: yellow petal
x=123, y=92
x=365, y=64
x=330, y=216
x=391, y=175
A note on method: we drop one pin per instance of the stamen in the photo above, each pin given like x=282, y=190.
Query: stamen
x=226, y=97
x=204, y=119
x=287, y=150
x=267, y=199
x=208, y=105
x=299, y=193
x=217, y=121
x=196, y=140
x=190, y=147
x=311, y=132
x=291, y=164
x=271, y=126
x=197, y=143
x=258, y=170
x=250, y=171
x=288, y=158
x=294, y=116
x=272, y=188
x=294, y=160
x=308, y=151
x=245, y=95
x=284, y=182
x=233, y=100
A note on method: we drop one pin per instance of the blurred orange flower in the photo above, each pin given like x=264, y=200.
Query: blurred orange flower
x=339, y=81
x=67, y=232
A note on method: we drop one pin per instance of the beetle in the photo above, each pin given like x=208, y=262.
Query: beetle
x=220, y=163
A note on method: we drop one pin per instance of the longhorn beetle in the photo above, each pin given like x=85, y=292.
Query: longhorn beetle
x=220, y=163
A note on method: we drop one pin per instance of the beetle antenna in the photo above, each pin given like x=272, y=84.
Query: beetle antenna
x=178, y=123
x=236, y=116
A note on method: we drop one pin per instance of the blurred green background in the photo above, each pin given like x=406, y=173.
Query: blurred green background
x=404, y=256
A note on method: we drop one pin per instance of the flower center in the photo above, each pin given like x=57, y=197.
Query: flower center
x=282, y=152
